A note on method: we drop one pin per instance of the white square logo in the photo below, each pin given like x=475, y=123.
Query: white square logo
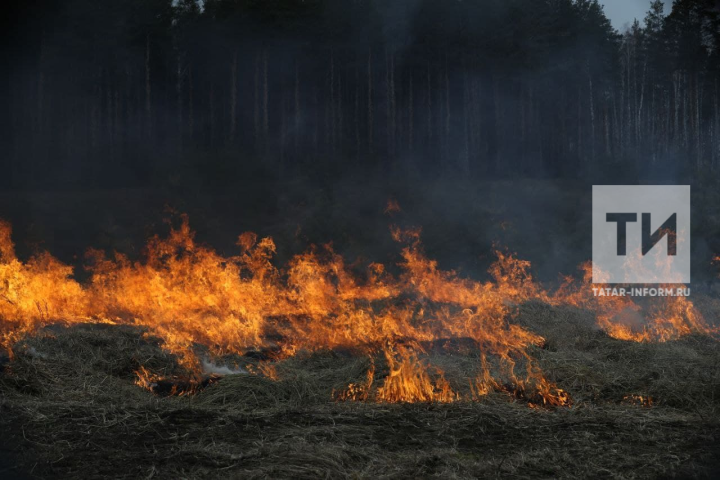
x=641, y=233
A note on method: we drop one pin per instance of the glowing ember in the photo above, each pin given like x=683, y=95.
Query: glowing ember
x=171, y=386
x=358, y=391
x=639, y=400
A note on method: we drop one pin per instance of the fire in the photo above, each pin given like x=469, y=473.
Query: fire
x=187, y=294
x=146, y=379
x=635, y=319
x=639, y=400
x=358, y=391
x=35, y=293
x=171, y=386
x=409, y=381
x=392, y=207
x=265, y=369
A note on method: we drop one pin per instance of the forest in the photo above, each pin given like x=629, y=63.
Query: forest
x=136, y=92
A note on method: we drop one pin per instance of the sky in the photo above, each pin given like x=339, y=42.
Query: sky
x=622, y=12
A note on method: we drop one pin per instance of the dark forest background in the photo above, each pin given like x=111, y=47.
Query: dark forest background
x=137, y=92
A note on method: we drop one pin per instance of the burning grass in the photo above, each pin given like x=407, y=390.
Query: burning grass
x=188, y=294
x=69, y=399
x=187, y=362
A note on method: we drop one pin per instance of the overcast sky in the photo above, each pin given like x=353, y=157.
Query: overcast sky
x=622, y=12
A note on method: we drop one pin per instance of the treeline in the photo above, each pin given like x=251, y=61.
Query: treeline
x=130, y=91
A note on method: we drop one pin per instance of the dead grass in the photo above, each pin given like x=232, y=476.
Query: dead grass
x=69, y=401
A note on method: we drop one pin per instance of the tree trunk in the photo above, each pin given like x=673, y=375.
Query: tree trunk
x=393, y=106
x=332, y=124
x=411, y=114
x=296, y=133
x=357, y=110
x=370, y=104
x=429, y=107
x=283, y=132
x=266, y=113
x=41, y=88
x=388, y=103
x=256, y=102
x=592, y=113
x=716, y=118
x=212, y=114
x=447, y=112
x=340, y=115
x=698, y=132
x=148, y=93
x=639, y=134
x=191, y=105
x=178, y=104
x=233, y=98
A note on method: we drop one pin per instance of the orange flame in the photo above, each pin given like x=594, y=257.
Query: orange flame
x=660, y=318
x=409, y=381
x=188, y=294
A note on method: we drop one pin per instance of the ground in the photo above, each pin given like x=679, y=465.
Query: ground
x=70, y=407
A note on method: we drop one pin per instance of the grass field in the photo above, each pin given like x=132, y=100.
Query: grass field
x=70, y=407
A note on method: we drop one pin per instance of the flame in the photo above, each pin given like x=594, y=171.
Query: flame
x=358, y=391
x=145, y=379
x=660, y=318
x=392, y=207
x=265, y=369
x=35, y=293
x=172, y=386
x=409, y=381
x=187, y=294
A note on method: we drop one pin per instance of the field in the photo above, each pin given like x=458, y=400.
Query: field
x=71, y=407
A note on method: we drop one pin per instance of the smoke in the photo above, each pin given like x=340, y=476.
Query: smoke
x=210, y=368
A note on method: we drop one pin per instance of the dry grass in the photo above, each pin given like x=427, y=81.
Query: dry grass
x=69, y=401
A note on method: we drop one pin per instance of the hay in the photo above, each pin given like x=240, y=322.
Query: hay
x=69, y=400
x=596, y=368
